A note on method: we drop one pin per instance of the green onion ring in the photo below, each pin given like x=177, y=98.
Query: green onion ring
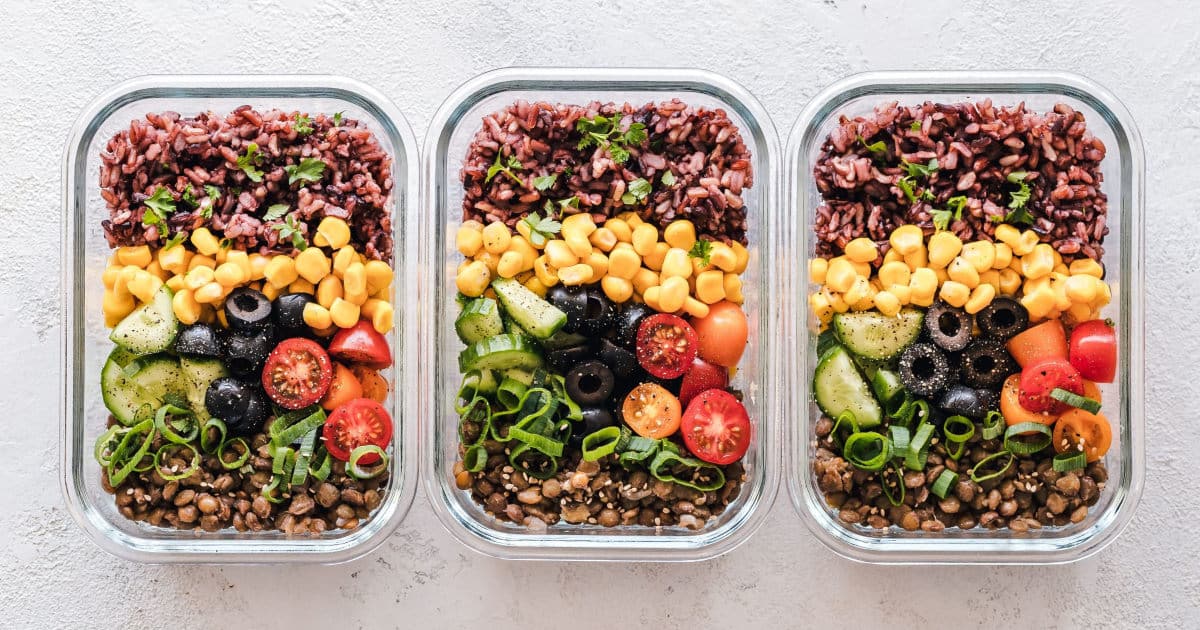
x=918, y=448
x=469, y=389
x=993, y=425
x=601, y=443
x=167, y=429
x=188, y=472
x=205, y=445
x=543, y=444
x=107, y=444
x=900, y=438
x=883, y=481
x=1026, y=447
x=638, y=451
x=117, y=475
x=283, y=460
x=268, y=491
x=475, y=458
x=321, y=472
x=303, y=455
x=867, y=450
x=518, y=461
x=1069, y=460
x=240, y=461
x=1089, y=405
x=977, y=478
x=901, y=412
x=510, y=391
x=669, y=456
x=945, y=481
x=358, y=472
x=846, y=417
x=956, y=441
x=920, y=411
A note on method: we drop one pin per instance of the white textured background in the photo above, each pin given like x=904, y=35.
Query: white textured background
x=55, y=56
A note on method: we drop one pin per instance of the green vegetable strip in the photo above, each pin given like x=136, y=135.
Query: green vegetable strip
x=601, y=443
x=639, y=450
x=1018, y=442
x=321, y=472
x=300, y=469
x=944, y=482
x=1089, y=405
x=669, y=457
x=510, y=392
x=178, y=416
x=892, y=497
x=957, y=430
x=918, y=448
x=207, y=446
x=283, y=461
x=900, y=408
x=1069, y=460
x=475, y=458
x=920, y=411
x=468, y=390
x=900, y=438
x=120, y=466
x=846, y=417
x=983, y=463
x=292, y=426
x=106, y=444
x=993, y=425
x=358, y=472
x=243, y=457
x=268, y=491
x=187, y=472
x=867, y=450
x=529, y=461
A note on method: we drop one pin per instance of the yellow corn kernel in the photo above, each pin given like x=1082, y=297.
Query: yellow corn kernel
x=157, y=270
x=368, y=308
x=839, y=305
x=819, y=304
x=118, y=304
x=620, y=229
x=383, y=318
x=599, y=264
x=229, y=274
x=694, y=307
x=840, y=275
x=1029, y=239
x=581, y=224
x=489, y=259
x=496, y=237
x=124, y=276
x=623, y=262
x=733, y=288
x=917, y=258
x=197, y=278
x=281, y=271
x=575, y=275
x=1034, y=284
x=710, y=287
x=981, y=296
x=1063, y=269
x=942, y=276
x=317, y=316
x=981, y=255
x=618, y=290
x=545, y=273
x=241, y=259
x=1086, y=267
x=144, y=285
x=992, y=277
x=963, y=272
x=892, y=256
x=862, y=249
x=603, y=239
x=110, y=276
x=651, y=297
x=906, y=239
x=210, y=314
x=137, y=255
x=342, y=259
x=1103, y=295
x=644, y=238
x=943, y=247
x=174, y=259
x=204, y=241
x=1039, y=262
x=176, y=282
x=559, y=254
x=676, y=263
x=469, y=240
x=887, y=303
x=1058, y=260
x=857, y=291
x=209, y=293
x=955, y=293
x=674, y=293
x=201, y=261
x=680, y=233
x=1015, y=265
x=743, y=257
x=270, y=290
x=312, y=265
x=1081, y=288
x=902, y=292
x=643, y=280
x=722, y=257
x=658, y=253
x=895, y=272
x=378, y=273
x=473, y=279
x=185, y=307
x=1080, y=312
x=1058, y=283
x=343, y=313
x=1003, y=255
x=510, y=264
x=535, y=285
x=222, y=254
x=1039, y=302
x=258, y=266
x=632, y=218
x=300, y=285
x=923, y=284
x=329, y=289
x=1008, y=234
x=818, y=267
x=579, y=245
x=332, y=232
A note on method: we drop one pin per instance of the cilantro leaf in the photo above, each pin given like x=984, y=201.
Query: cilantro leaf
x=915, y=126
x=545, y=182
x=1019, y=198
x=276, y=211
x=290, y=229
x=213, y=192
x=605, y=132
x=175, y=240
x=337, y=119
x=919, y=170
x=303, y=125
x=541, y=229
x=941, y=219
x=569, y=202
x=159, y=206
x=250, y=162
x=214, y=195
x=905, y=184
x=927, y=195
x=957, y=203
x=636, y=192
x=701, y=250
x=308, y=170
x=225, y=243
x=507, y=168
x=877, y=148
x=668, y=178
x=635, y=135
x=189, y=197
x=954, y=208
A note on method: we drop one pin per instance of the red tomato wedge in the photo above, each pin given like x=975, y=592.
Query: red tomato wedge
x=297, y=373
x=716, y=427
x=666, y=345
x=360, y=422
x=1047, y=340
x=703, y=376
x=361, y=343
x=1093, y=350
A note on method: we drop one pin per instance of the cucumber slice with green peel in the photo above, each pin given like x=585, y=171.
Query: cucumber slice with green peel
x=536, y=316
x=126, y=385
x=875, y=336
x=500, y=352
x=150, y=328
x=520, y=375
x=488, y=382
x=200, y=372
x=513, y=328
x=479, y=319
x=839, y=387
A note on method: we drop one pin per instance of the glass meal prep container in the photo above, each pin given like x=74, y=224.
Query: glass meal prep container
x=1123, y=171
x=86, y=343
x=451, y=132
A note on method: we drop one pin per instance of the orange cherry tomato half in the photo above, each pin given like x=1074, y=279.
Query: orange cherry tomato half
x=1010, y=405
x=722, y=333
x=374, y=386
x=1078, y=429
x=651, y=411
x=1047, y=340
x=342, y=389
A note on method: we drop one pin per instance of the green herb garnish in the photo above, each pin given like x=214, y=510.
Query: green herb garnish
x=636, y=192
x=513, y=164
x=290, y=229
x=214, y=194
x=919, y=170
x=701, y=250
x=954, y=208
x=914, y=125
x=189, y=197
x=668, y=178
x=905, y=184
x=541, y=229
x=545, y=182
x=250, y=162
x=605, y=132
x=175, y=240
x=225, y=243
x=1019, y=198
x=303, y=125
x=877, y=148
x=337, y=119
x=309, y=170
x=275, y=212
x=159, y=206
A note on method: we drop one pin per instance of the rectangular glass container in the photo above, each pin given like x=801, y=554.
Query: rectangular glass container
x=445, y=147
x=1124, y=171
x=85, y=341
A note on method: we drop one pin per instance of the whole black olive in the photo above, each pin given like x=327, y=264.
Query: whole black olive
x=247, y=310
x=963, y=401
x=628, y=319
x=571, y=300
x=245, y=355
x=198, y=340
x=621, y=361
x=241, y=406
x=594, y=419
x=599, y=313
x=288, y=311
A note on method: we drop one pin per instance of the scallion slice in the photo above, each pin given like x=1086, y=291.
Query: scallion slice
x=358, y=472
x=181, y=420
x=1089, y=405
x=957, y=429
x=638, y=451
x=1017, y=438
x=918, y=448
x=268, y=491
x=892, y=497
x=1069, y=460
x=845, y=418
x=704, y=477
x=205, y=444
x=303, y=455
x=601, y=443
x=123, y=463
x=530, y=461
x=174, y=476
x=294, y=425
x=322, y=470
x=983, y=463
x=945, y=481
x=993, y=425
x=243, y=454
x=106, y=444
x=867, y=450
x=900, y=438
x=475, y=458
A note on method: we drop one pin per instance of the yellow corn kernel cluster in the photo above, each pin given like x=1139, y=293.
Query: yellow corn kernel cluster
x=965, y=275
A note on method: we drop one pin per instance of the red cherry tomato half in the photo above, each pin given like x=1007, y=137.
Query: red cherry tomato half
x=716, y=428
x=297, y=373
x=1041, y=378
x=360, y=422
x=666, y=345
x=703, y=376
x=1094, y=350
x=361, y=343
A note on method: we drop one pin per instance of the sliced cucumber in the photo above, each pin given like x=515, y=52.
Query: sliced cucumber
x=522, y=376
x=500, y=353
x=536, y=316
x=200, y=372
x=127, y=383
x=873, y=335
x=839, y=387
x=479, y=319
x=487, y=382
x=150, y=328
x=513, y=328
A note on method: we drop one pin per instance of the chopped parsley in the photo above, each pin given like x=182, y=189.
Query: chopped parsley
x=159, y=206
x=250, y=162
x=189, y=197
x=290, y=229
x=877, y=148
x=668, y=178
x=953, y=210
x=175, y=240
x=541, y=229
x=337, y=119
x=605, y=132
x=545, y=182
x=303, y=125
x=308, y=170
x=636, y=192
x=1019, y=198
x=275, y=212
x=914, y=126
x=214, y=195
x=919, y=170
x=905, y=184
x=513, y=164
x=702, y=250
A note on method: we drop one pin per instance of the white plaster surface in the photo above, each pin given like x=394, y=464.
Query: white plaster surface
x=55, y=56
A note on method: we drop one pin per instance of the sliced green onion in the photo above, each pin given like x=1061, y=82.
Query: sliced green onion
x=178, y=416
x=120, y=466
x=283, y=460
x=321, y=472
x=294, y=425
x=944, y=482
x=107, y=444
x=900, y=438
x=893, y=498
x=900, y=408
x=918, y=448
x=1018, y=442
x=867, y=450
x=358, y=472
x=187, y=472
x=846, y=417
x=243, y=454
x=639, y=450
x=535, y=464
x=1069, y=460
x=957, y=429
x=993, y=425
x=982, y=464
x=669, y=456
x=600, y=443
x=475, y=458
x=920, y=410
x=469, y=388
x=207, y=446
x=1089, y=405
x=268, y=491
x=509, y=393
x=303, y=455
